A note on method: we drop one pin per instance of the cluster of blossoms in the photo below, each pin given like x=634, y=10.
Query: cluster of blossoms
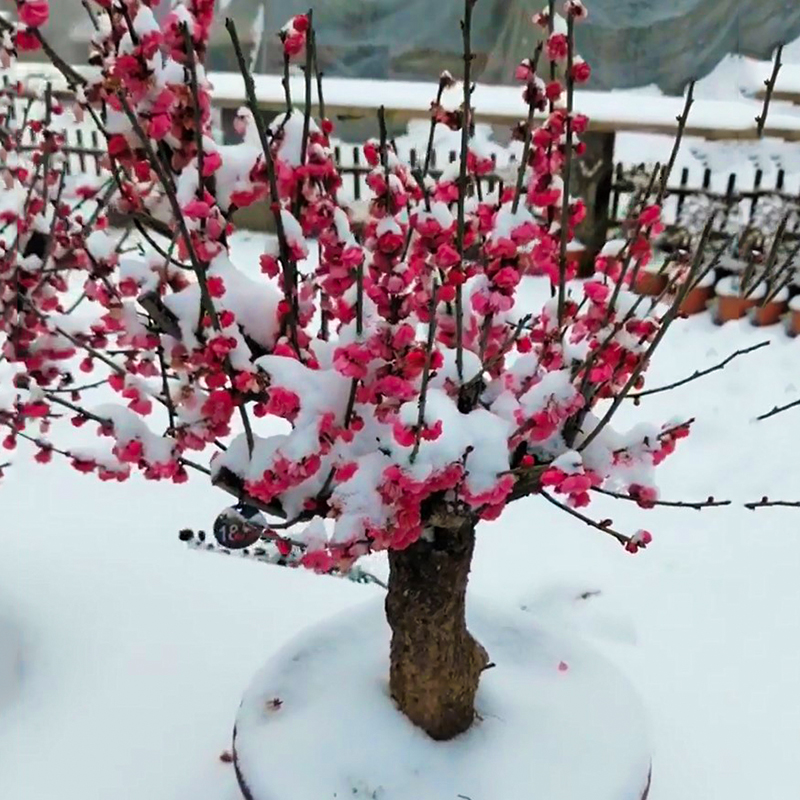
x=437, y=358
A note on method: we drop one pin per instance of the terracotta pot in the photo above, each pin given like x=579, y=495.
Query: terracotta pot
x=770, y=314
x=577, y=253
x=793, y=328
x=730, y=307
x=696, y=300
x=650, y=283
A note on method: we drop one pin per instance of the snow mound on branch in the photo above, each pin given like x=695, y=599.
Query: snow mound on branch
x=254, y=303
x=481, y=434
x=557, y=721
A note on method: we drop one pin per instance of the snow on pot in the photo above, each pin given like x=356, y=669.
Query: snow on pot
x=771, y=312
x=730, y=304
x=555, y=720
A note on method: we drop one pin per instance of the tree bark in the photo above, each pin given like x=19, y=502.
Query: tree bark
x=436, y=664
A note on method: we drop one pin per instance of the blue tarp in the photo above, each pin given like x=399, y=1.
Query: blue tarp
x=627, y=42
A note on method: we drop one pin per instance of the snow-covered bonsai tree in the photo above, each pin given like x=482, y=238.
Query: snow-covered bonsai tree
x=377, y=387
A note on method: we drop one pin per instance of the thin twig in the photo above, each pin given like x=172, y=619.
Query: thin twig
x=466, y=28
x=667, y=171
x=761, y=119
x=564, y=231
x=778, y=410
x=697, y=506
x=317, y=72
x=307, y=104
x=526, y=150
x=426, y=375
x=432, y=130
x=289, y=267
x=765, y=502
x=699, y=373
x=607, y=529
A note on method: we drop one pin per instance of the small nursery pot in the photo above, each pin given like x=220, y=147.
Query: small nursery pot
x=696, y=300
x=731, y=307
x=650, y=283
x=793, y=328
x=769, y=314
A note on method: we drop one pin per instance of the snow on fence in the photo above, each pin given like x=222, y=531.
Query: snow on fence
x=85, y=148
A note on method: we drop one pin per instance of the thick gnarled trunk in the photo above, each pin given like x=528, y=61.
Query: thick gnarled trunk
x=435, y=663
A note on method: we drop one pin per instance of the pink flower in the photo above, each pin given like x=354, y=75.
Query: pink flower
x=283, y=403
x=211, y=163
x=557, y=47
x=197, y=209
x=346, y=471
x=645, y=496
x=404, y=436
x=390, y=242
x=216, y=286
x=576, y=9
x=26, y=41
x=650, y=215
x=552, y=477
x=34, y=13
x=581, y=71
x=294, y=43
x=352, y=361
x=507, y=278
x=597, y=292
x=447, y=256
x=524, y=72
x=638, y=541
x=159, y=126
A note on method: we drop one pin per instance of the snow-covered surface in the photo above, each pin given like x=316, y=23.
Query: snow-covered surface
x=558, y=722
x=754, y=73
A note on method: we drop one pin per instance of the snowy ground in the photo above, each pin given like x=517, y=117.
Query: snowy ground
x=135, y=650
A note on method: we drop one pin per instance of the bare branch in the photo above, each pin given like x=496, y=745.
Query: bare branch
x=761, y=119
x=564, y=231
x=466, y=123
x=308, y=76
x=778, y=410
x=600, y=526
x=432, y=130
x=765, y=502
x=289, y=267
x=312, y=43
x=676, y=145
x=697, y=506
x=523, y=164
x=701, y=373
x=426, y=375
